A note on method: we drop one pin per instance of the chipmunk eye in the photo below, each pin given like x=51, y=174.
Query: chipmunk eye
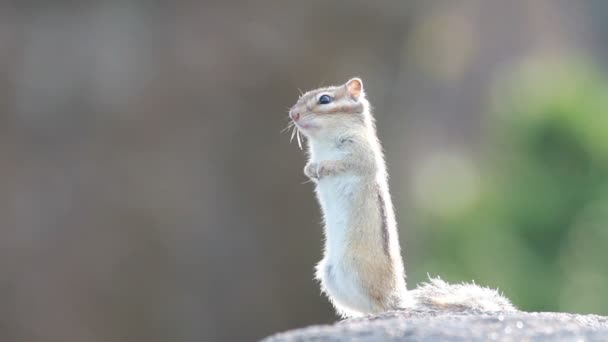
x=325, y=99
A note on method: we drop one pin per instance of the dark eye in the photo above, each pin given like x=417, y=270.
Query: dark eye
x=325, y=99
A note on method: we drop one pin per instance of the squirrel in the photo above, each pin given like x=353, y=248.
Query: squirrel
x=362, y=271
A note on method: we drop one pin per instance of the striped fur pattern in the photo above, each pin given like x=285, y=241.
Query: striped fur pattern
x=362, y=270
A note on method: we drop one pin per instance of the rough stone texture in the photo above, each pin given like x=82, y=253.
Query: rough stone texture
x=425, y=326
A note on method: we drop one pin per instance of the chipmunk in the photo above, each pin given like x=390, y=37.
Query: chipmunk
x=362, y=270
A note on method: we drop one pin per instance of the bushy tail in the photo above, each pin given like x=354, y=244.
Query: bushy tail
x=437, y=295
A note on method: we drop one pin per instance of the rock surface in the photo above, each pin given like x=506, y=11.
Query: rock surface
x=425, y=326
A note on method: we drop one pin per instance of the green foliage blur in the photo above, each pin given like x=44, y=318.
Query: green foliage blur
x=529, y=215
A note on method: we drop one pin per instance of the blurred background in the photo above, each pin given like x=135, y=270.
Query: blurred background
x=148, y=194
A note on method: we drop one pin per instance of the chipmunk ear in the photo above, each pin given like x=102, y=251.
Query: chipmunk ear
x=354, y=86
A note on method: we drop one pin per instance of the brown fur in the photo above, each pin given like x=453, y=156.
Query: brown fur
x=362, y=271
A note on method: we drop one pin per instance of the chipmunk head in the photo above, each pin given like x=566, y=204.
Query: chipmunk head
x=331, y=112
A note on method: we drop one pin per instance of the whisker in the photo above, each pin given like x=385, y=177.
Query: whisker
x=301, y=92
x=299, y=139
x=289, y=125
x=293, y=133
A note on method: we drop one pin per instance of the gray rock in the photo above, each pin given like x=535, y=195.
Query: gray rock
x=449, y=326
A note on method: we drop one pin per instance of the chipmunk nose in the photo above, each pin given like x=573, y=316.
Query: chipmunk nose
x=295, y=116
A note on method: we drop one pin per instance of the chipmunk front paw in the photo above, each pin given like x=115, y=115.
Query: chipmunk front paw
x=311, y=170
x=316, y=171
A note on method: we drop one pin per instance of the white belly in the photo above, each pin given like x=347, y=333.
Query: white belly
x=336, y=197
